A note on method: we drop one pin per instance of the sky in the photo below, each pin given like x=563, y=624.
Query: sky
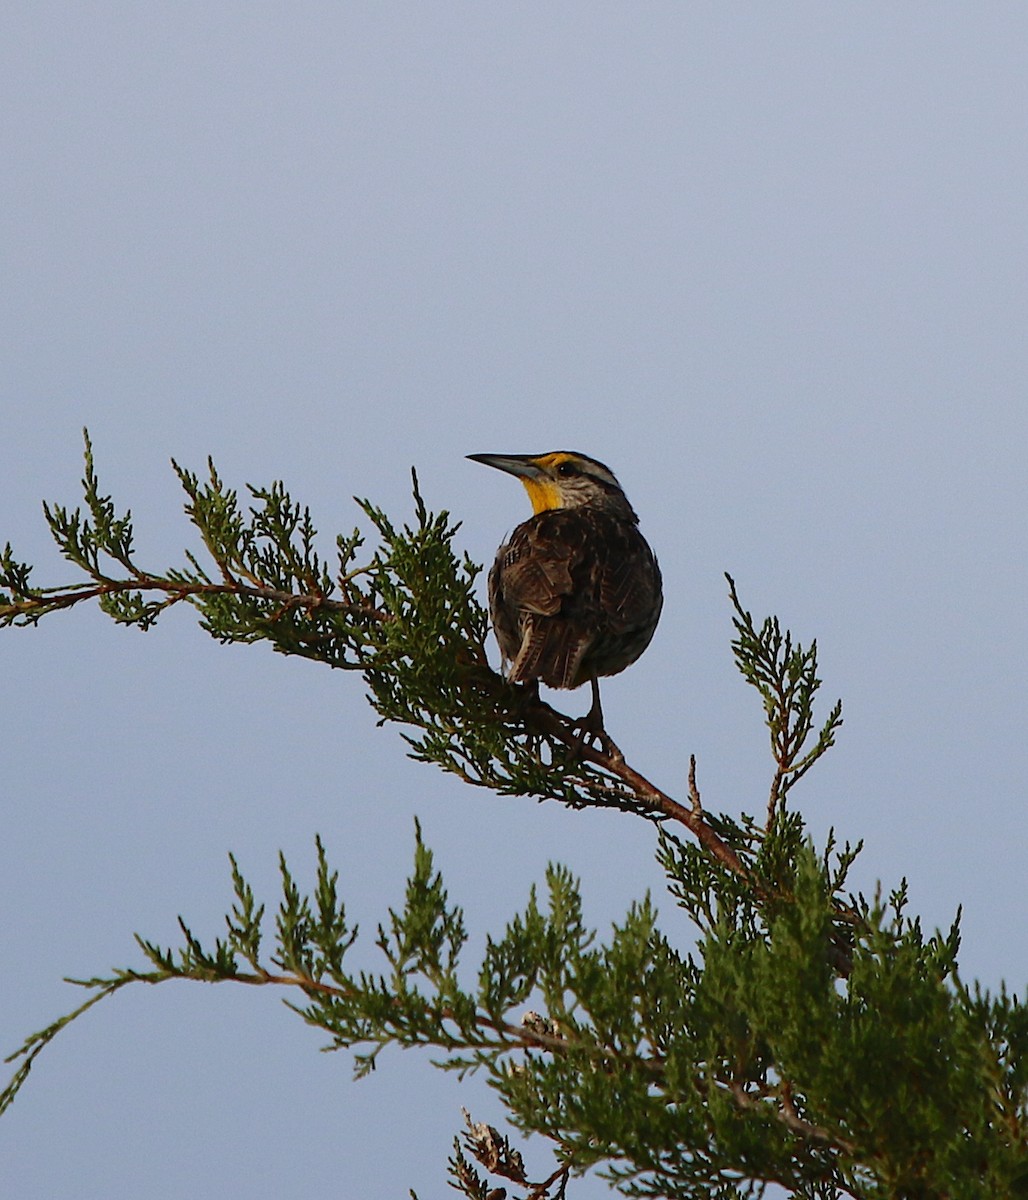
x=768, y=262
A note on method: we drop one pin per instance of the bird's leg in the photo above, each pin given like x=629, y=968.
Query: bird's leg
x=591, y=726
x=593, y=719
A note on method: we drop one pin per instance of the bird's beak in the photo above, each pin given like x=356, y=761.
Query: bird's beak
x=522, y=465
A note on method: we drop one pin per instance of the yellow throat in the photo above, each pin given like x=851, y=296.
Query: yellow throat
x=543, y=494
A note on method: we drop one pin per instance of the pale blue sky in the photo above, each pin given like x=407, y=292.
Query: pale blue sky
x=767, y=261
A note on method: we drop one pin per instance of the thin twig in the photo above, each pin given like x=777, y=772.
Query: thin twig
x=694, y=791
x=542, y=1189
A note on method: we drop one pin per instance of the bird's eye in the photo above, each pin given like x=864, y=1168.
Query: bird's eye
x=567, y=469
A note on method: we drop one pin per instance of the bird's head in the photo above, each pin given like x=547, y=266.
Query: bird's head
x=563, y=479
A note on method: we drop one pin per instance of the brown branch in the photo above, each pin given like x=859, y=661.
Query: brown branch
x=509, y=1036
x=542, y=1189
x=178, y=591
x=786, y=1113
x=659, y=803
x=791, y=1118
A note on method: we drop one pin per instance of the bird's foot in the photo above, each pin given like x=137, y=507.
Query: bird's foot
x=596, y=739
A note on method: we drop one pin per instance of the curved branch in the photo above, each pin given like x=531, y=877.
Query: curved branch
x=661, y=806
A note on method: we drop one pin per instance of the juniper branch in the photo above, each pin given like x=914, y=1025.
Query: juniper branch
x=409, y=620
x=785, y=675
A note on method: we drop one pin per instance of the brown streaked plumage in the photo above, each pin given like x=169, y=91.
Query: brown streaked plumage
x=575, y=593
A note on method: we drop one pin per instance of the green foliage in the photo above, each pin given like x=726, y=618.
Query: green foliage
x=785, y=675
x=809, y=1036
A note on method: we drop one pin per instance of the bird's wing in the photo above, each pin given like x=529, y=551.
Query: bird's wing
x=534, y=580
x=628, y=595
x=535, y=571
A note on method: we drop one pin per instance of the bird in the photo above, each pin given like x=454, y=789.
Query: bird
x=575, y=592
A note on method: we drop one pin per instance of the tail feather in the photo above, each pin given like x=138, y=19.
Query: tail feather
x=551, y=651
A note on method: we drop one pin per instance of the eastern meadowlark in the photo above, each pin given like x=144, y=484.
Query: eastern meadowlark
x=575, y=593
